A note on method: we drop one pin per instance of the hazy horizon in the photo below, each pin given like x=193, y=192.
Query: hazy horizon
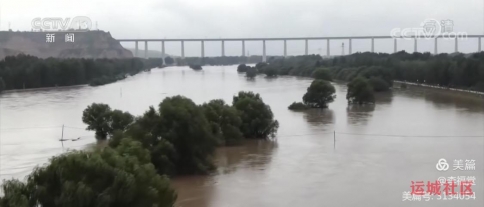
x=251, y=18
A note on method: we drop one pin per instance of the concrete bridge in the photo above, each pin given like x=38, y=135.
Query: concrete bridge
x=284, y=40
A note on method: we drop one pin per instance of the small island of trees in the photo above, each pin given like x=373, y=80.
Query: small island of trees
x=178, y=137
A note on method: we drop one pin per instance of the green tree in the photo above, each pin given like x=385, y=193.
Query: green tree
x=257, y=117
x=101, y=178
x=322, y=74
x=16, y=194
x=242, y=68
x=360, y=91
x=225, y=121
x=178, y=136
x=251, y=72
x=270, y=71
x=378, y=84
x=104, y=121
x=260, y=66
x=298, y=106
x=319, y=94
x=97, y=117
x=2, y=85
x=184, y=125
x=169, y=60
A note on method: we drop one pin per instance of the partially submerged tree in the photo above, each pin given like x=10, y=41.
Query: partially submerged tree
x=242, y=68
x=322, y=74
x=360, y=91
x=257, y=117
x=319, y=94
x=251, y=72
x=120, y=177
x=104, y=121
x=297, y=106
x=178, y=136
x=224, y=120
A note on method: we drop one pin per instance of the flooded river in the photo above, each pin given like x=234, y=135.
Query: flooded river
x=341, y=156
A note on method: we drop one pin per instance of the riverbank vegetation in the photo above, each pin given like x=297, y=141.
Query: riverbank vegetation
x=446, y=70
x=112, y=177
x=225, y=60
x=298, y=106
x=24, y=71
x=195, y=67
x=178, y=137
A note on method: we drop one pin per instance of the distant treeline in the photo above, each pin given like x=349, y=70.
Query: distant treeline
x=227, y=60
x=448, y=70
x=24, y=71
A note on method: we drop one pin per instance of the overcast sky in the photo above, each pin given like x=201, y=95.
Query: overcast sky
x=257, y=18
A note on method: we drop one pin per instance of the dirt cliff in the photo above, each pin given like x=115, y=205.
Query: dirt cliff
x=91, y=44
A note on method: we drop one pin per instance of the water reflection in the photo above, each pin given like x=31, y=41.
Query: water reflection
x=383, y=98
x=198, y=191
x=319, y=117
x=359, y=114
x=255, y=154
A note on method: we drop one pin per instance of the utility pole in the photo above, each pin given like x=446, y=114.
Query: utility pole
x=62, y=137
x=334, y=138
x=342, y=49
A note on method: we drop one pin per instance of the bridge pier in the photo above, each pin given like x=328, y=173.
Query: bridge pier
x=415, y=45
x=306, y=48
x=146, y=49
x=394, y=45
x=285, y=48
x=182, y=49
x=136, y=49
x=479, y=45
x=372, y=44
x=163, y=51
x=223, y=48
x=243, y=48
x=456, y=45
x=203, y=49
x=327, y=48
x=264, y=58
x=435, y=46
x=350, y=47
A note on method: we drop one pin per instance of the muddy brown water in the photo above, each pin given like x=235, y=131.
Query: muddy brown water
x=379, y=148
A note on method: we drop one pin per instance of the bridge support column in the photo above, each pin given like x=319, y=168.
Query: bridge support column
x=243, y=48
x=223, y=48
x=479, y=45
x=182, y=49
x=163, y=51
x=415, y=45
x=146, y=49
x=264, y=58
x=435, y=46
x=372, y=45
x=203, y=49
x=350, y=47
x=136, y=49
x=306, y=50
x=327, y=48
x=395, y=45
x=456, y=45
x=285, y=48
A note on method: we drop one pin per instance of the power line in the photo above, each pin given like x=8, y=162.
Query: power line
x=38, y=127
x=385, y=135
x=393, y=135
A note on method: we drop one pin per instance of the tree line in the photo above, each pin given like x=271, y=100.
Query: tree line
x=446, y=70
x=178, y=137
x=25, y=71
